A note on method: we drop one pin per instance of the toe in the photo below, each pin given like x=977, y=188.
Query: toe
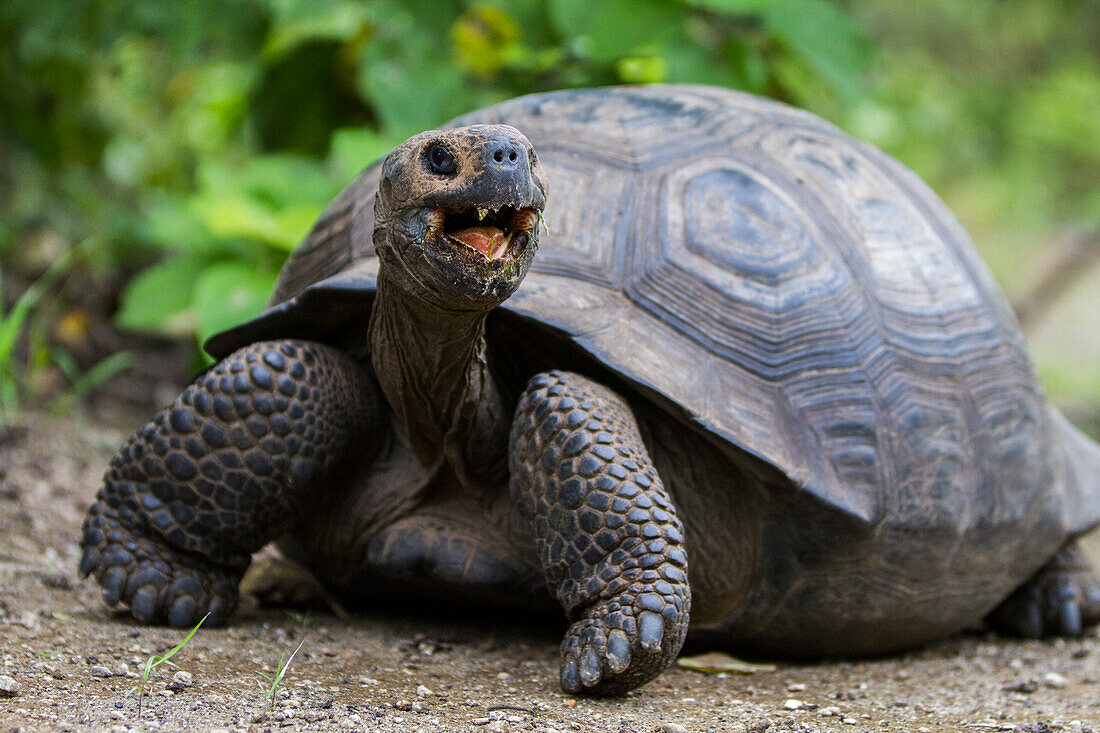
x=182, y=612
x=570, y=676
x=590, y=667
x=618, y=651
x=112, y=583
x=651, y=631
x=1069, y=619
x=89, y=561
x=143, y=604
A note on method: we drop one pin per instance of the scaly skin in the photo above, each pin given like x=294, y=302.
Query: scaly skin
x=221, y=471
x=606, y=533
x=1061, y=600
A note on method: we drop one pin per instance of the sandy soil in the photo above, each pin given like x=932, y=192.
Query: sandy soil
x=75, y=665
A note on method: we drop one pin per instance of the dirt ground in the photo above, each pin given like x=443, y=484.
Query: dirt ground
x=75, y=665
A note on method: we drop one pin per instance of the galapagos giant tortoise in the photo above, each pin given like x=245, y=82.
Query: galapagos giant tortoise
x=756, y=373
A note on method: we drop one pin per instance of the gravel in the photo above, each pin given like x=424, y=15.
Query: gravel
x=400, y=669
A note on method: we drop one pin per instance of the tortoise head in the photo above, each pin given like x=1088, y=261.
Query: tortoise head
x=457, y=214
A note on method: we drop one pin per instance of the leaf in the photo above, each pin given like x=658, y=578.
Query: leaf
x=294, y=27
x=823, y=37
x=227, y=294
x=606, y=30
x=159, y=298
x=412, y=86
x=722, y=663
x=287, y=180
x=353, y=148
x=642, y=69
x=483, y=38
x=170, y=222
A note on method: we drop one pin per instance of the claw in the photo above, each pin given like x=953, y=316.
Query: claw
x=144, y=604
x=1028, y=621
x=182, y=613
x=618, y=651
x=112, y=583
x=89, y=561
x=651, y=630
x=590, y=667
x=570, y=678
x=218, y=611
x=1069, y=619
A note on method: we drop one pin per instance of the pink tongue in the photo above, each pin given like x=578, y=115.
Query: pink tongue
x=486, y=240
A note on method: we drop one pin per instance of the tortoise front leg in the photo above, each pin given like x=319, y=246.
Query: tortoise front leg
x=608, y=538
x=227, y=467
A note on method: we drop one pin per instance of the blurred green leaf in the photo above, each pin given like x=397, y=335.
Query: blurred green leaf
x=412, y=90
x=159, y=298
x=483, y=38
x=642, y=69
x=606, y=30
x=353, y=149
x=819, y=34
x=228, y=294
x=273, y=199
x=301, y=23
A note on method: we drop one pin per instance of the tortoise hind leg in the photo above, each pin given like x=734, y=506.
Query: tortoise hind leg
x=1062, y=599
x=227, y=467
x=606, y=533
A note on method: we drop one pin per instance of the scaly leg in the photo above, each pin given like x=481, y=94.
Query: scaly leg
x=221, y=471
x=606, y=533
x=1061, y=600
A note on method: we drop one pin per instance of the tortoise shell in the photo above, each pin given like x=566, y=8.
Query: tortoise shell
x=796, y=294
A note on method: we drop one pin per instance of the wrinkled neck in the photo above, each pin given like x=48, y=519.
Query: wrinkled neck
x=431, y=364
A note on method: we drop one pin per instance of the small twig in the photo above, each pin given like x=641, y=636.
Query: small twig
x=1072, y=260
x=529, y=711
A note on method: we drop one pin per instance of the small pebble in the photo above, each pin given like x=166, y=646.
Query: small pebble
x=8, y=686
x=1055, y=680
x=423, y=691
x=497, y=726
x=403, y=705
x=122, y=670
x=674, y=728
x=793, y=704
x=796, y=687
x=98, y=670
x=181, y=680
x=480, y=721
x=830, y=711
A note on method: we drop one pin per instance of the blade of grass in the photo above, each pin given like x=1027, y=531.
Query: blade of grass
x=83, y=383
x=277, y=679
x=154, y=661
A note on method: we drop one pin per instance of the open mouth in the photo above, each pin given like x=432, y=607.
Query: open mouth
x=492, y=234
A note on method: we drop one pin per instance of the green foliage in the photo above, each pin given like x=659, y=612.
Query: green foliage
x=26, y=318
x=199, y=140
x=202, y=140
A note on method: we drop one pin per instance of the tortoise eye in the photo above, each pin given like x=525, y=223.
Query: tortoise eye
x=440, y=160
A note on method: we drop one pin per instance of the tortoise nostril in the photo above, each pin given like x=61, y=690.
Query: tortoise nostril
x=505, y=153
